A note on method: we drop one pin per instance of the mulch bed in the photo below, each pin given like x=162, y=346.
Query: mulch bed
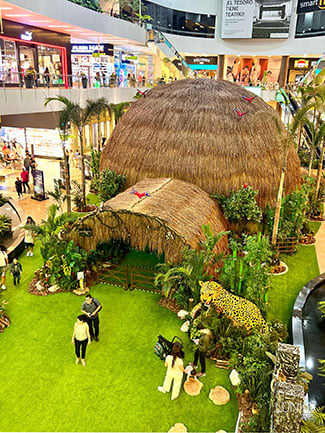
x=278, y=269
x=34, y=291
x=317, y=218
x=88, y=208
x=308, y=240
x=245, y=406
x=170, y=304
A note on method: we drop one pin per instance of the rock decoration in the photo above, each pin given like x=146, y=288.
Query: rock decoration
x=219, y=395
x=178, y=427
x=287, y=363
x=234, y=377
x=54, y=288
x=287, y=408
x=182, y=314
x=185, y=326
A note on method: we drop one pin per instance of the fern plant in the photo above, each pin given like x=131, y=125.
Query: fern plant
x=315, y=423
x=58, y=193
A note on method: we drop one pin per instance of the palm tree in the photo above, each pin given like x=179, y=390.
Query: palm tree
x=80, y=117
x=117, y=111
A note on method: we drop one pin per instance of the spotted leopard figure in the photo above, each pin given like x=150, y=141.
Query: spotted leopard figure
x=239, y=310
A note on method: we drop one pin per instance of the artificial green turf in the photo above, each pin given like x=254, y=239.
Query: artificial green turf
x=43, y=390
x=303, y=267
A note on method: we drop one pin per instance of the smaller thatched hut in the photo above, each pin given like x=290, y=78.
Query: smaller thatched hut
x=167, y=219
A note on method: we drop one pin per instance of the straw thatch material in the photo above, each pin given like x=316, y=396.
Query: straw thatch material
x=188, y=130
x=171, y=218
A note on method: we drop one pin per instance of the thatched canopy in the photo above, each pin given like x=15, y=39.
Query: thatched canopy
x=189, y=130
x=166, y=221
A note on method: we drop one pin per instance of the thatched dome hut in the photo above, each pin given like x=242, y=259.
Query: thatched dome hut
x=189, y=130
x=167, y=219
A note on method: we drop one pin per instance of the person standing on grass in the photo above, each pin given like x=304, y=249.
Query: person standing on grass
x=203, y=345
x=29, y=237
x=19, y=187
x=80, y=338
x=91, y=308
x=3, y=266
x=175, y=369
x=25, y=179
x=16, y=270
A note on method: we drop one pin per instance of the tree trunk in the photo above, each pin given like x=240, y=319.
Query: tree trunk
x=311, y=158
x=83, y=180
x=320, y=169
x=67, y=182
x=278, y=208
x=99, y=134
x=299, y=137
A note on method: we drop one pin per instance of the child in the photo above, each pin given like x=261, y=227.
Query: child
x=16, y=270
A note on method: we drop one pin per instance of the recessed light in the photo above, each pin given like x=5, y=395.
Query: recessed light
x=5, y=9
x=40, y=21
x=18, y=15
x=59, y=26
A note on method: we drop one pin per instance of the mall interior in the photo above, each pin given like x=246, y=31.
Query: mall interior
x=162, y=194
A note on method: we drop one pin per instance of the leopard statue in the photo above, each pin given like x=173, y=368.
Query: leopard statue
x=241, y=311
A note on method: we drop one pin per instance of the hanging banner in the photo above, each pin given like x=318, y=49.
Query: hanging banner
x=238, y=19
x=304, y=6
x=256, y=19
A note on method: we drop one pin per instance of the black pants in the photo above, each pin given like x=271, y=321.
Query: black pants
x=20, y=193
x=24, y=186
x=202, y=359
x=83, y=345
x=16, y=279
x=93, y=323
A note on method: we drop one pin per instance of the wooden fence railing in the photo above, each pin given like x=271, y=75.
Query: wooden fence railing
x=129, y=277
x=288, y=246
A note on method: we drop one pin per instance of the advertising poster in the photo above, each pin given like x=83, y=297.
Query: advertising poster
x=39, y=187
x=257, y=19
x=310, y=18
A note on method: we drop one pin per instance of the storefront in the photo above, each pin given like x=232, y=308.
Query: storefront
x=41, y=142
x=203, y=67
x=299, y=67
x=133, y=69
x=253, y=71
x=32, y=56
x=94, y=61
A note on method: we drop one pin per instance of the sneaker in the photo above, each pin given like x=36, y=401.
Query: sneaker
x=161, y=389
x=3, y=287
x=96, y=339
x=201, y=374
x=27, y=255
x=31, y=254
x=77, y=360
x=83, y=362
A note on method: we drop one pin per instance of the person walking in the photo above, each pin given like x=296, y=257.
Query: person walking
x=91, y=308
x=81, y=338
x=25, y=179
x=175, y=369
x=16, y=270
x=27, y=161
x=19, y=187
x=201, y=352
x=3, y=266
x=29, y=237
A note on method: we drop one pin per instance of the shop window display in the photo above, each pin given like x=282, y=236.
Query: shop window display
x=8, y=62
x=49, y=62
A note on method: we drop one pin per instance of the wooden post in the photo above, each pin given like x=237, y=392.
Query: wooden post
x=278, y=210
x=221, y=66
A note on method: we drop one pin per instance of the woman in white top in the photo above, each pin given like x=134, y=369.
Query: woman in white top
x=174, y=373
x=29, y=237
x=80, y=338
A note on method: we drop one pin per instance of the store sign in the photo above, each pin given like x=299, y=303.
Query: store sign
x=39, y=187
x=256, y=19
x=129, y=57
x=301, y=64
x=304, y=6
x=27, y=36
x=90, y=49
x=201, y=60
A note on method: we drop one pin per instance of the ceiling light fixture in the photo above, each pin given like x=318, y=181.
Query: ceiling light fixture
x=18, y=15
x=40, y=21
x=5, y=9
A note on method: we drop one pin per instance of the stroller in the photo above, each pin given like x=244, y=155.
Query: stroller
x=163, y=347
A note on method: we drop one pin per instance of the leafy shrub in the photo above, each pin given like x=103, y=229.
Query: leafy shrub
x=108, y=184
x=240, y=205
x=3, y=200
x=94, y=165
x=77, y=196
x=89, y=4
x=5, y=225
x=114, y=251
x=314, y=205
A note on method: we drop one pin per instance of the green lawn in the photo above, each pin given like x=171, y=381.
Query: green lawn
x=303, y=267
x=43, y=390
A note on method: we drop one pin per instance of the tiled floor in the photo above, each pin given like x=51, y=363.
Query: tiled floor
x=34, y=208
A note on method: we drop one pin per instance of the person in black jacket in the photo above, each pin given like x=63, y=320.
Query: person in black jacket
x=16, y=270
x=19, y=187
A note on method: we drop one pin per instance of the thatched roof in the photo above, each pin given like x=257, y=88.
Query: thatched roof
x=189, y=130
x=171, y=218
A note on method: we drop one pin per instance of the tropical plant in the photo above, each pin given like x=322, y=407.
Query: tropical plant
x=315, y=423
x=77, y=196
x=89, y=4
x=108, y=183
x=5, y=225
x=117, y=110
x=314, y=205
x=58, y=194
x=240, y=205
x=79, y=117
x=95, y=165
x=3, y=200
